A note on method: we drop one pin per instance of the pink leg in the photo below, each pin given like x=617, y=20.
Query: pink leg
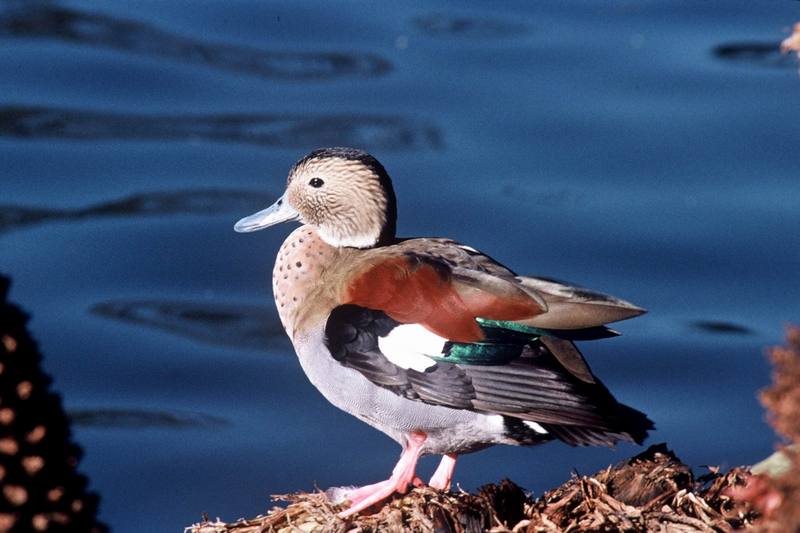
x=444, y=472
x=403, y=474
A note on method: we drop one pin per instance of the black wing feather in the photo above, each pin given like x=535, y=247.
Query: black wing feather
x=537, y=386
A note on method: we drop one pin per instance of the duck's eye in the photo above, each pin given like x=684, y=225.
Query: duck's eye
x=316, y=183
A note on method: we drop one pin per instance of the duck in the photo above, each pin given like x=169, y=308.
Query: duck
x=428, y=340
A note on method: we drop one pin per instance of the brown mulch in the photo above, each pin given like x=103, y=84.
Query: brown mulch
x=653, y=491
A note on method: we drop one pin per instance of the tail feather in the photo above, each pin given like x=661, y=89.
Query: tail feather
x=628, y=424
x=552, y=385
x=570, y=307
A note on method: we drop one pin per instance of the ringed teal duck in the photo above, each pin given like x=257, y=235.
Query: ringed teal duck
x=428, y=340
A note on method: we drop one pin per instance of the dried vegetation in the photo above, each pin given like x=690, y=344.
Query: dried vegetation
x=653, y=491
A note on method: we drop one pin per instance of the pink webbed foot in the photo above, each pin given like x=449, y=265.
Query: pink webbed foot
x=359, y=494
x=443, y=476
x=404, y=473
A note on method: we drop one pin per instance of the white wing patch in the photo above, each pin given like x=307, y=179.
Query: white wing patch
x=409, y=345
x=534, y=426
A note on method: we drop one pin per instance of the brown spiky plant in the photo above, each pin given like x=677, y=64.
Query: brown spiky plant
x=792, y=42
x=779, y=496
x=40, y=488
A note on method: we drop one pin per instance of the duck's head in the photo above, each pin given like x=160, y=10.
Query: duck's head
x=344, y=193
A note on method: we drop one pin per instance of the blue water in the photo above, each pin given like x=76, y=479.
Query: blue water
x=645, y=149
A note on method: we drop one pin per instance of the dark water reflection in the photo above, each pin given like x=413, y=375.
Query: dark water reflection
x=143, y=419
x=198, y=202
x=468, y=27
x=721, y=328
x=32, y=20
x=384, y=132
x=218, y=323
x=767, y=54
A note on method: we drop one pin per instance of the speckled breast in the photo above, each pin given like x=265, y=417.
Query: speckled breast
x=298, y=279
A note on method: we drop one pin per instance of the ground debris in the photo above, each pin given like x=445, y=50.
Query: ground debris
x=420, y=510
x=653, y=491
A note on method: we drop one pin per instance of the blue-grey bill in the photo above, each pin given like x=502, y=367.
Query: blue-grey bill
x=278, y=212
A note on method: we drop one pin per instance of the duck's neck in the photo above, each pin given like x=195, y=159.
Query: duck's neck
x=370, y=232
x=298, y=279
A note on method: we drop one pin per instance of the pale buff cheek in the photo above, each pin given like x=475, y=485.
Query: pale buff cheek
x=351, y=202
x=315, y=207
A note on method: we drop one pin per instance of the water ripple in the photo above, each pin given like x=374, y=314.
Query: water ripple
x=140, y=419
x=719, y=327
x=765, y=53
x=467, y=26
x=44, y=21
x=384, y=132
x=210, y=322
x=199, y=202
